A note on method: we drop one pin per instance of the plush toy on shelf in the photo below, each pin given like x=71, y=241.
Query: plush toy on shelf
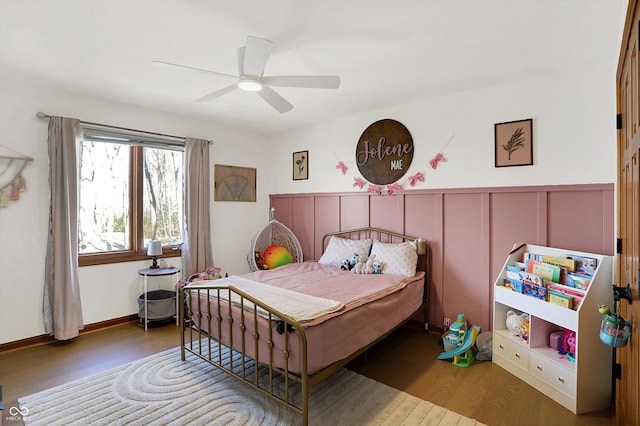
x=524, y=331
x=515, y=322
x=569, y=346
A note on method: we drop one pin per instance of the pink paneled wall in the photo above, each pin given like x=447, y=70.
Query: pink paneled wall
x=470, y=231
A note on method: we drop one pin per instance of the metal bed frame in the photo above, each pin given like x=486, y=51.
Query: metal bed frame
x=211, y=343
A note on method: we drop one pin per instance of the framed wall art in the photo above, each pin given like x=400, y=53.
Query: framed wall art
x=514, y=143
x=301, y=165
x=233, y=183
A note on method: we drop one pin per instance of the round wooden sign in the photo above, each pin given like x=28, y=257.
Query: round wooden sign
x=384, y=152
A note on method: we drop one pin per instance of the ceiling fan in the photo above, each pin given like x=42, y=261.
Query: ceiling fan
x=251, y=62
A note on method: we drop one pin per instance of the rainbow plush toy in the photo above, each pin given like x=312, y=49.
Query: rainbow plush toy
x=275, y=256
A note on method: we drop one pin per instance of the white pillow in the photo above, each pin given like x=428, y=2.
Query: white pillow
x=398, y=258
x=343, y=248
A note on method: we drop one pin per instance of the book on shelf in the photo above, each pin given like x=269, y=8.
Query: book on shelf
x=561, y=299
x=584, y=262
x=575, y=293
x=511, y=284
x=580, y=281
x=547, y=271
x=566, y=262
x=533, y=290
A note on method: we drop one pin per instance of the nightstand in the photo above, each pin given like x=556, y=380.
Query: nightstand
x=151, y=272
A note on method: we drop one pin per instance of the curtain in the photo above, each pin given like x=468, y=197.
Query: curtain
x=197, y=249
x=61, y=305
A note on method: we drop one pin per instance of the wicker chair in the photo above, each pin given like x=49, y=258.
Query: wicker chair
x=274, y=233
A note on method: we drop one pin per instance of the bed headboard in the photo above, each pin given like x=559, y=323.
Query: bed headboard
x=384, y=237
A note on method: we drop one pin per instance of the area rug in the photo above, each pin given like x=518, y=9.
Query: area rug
x=163, y=390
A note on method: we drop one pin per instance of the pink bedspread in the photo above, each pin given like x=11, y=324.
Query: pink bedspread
x=315, y=279
x=374, y=305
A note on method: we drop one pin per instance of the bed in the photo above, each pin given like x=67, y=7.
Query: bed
x=282, y=331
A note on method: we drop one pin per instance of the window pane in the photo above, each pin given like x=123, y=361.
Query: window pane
x=104, y=197
x=162, y=200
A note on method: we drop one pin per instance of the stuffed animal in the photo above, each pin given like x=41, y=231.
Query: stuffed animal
x=570, y=343
x=353, y=260
x=368, y=268
x=360, y=265
x=514, y=322
x=260, y=261
x=524, y=331
x=345, y=265
x=377, y=266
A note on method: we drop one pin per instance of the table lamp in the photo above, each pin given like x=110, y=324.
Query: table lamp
x=154, y=249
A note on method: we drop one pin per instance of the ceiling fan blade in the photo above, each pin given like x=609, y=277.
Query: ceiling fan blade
x=309, y=81
x=217, y=93
x=256, y=53
x=219, y=74
x=241, y=60
x=275, y=100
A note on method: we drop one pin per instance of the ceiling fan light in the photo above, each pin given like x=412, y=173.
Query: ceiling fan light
x=250, y=85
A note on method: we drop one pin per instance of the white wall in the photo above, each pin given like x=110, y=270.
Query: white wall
x=107, y=291
x=574, y=136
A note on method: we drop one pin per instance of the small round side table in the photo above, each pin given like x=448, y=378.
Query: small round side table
x=154, y=272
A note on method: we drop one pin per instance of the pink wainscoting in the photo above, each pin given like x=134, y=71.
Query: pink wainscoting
x=470, y=231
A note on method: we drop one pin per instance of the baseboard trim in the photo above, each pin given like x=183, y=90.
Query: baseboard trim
x=45, y=339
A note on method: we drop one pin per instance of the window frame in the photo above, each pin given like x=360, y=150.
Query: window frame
x=138, y=250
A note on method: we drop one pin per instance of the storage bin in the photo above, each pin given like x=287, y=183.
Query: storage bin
x=161, y=305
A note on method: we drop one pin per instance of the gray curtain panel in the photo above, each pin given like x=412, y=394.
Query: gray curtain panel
x=61, y=306
x=197, y=248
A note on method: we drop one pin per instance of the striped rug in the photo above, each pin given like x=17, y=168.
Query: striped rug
x=163, y=390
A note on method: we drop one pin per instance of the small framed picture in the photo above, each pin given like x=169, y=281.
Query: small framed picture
x=514, y=143
x=301, y=165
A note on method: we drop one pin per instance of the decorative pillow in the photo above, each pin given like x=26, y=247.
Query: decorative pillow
x=276, y=255
x=343, y=248
x=398, y=258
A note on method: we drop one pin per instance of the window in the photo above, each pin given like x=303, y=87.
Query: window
x=130, y=193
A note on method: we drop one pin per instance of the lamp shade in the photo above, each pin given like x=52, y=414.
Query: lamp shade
x=154, y=248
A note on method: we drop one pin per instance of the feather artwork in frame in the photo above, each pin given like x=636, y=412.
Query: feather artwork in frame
x=514, y=143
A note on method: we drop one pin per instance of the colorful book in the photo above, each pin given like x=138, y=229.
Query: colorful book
x=578, y=281
x=560, y=299
x=577, y=294
x=515, y=268
x=531, y=278
x=515, y=285
x=547, y=271
x=537, y=291
x=570, y=264
x=585, y=262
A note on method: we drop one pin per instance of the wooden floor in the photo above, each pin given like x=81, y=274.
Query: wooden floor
x=406, y=360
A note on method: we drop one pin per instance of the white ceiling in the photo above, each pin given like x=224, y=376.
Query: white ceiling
x=386, y=52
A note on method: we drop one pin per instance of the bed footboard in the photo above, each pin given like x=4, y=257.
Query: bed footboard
x=247, y=339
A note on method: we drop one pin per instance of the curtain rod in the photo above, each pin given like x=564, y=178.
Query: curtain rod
x=42, y=115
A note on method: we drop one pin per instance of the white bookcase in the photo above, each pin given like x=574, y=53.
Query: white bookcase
x=580, y=386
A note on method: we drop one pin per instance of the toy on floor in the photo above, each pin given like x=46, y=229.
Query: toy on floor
x=469, y=355
x=464, y=353
x=453, y=338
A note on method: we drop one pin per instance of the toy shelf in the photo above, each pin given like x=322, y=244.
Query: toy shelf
x=581, y=385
